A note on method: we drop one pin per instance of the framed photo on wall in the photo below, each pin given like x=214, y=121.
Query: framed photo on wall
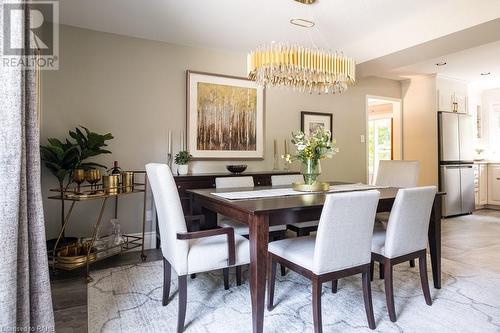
x=311, y=121
x=225, y=117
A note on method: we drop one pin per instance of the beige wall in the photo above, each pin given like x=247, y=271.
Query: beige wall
x=135, y=89
x=420, y=126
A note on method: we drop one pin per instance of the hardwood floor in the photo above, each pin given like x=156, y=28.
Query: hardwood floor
x=471, y=239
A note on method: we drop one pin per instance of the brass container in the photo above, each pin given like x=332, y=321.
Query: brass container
x=315, y=187
x=75, y=255
x=110, y=184
x=127, y=181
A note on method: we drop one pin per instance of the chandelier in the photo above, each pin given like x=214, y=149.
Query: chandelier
x=301, y=68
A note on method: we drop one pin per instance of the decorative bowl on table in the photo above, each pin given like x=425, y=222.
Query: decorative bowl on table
x=236, y=169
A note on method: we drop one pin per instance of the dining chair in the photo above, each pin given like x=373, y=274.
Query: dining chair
x=300, y=228
x=395, y=173
x=275, y=232
x=340, y=248
x=405, y=238
x=189, y=252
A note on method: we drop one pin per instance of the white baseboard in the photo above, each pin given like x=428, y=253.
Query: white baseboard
x=149, y=240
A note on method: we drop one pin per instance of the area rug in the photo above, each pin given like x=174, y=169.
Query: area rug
x=128, y=299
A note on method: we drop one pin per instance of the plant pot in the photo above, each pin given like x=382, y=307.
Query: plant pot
x=183, y=169
x=311, y=169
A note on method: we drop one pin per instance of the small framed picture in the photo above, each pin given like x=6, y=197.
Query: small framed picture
x=311, y=121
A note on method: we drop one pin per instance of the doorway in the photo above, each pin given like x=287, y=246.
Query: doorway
x=383, y=132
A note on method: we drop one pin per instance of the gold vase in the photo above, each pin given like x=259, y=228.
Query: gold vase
x=110, y=184
x=127, y=181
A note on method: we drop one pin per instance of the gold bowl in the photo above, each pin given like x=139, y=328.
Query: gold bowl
x=75, y=255
x=315, y=187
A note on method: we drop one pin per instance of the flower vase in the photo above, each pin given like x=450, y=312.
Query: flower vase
x=311, y=169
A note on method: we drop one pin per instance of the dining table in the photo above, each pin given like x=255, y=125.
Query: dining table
x=258, y=213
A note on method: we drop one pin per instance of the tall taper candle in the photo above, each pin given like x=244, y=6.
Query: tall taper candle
x=169, y=142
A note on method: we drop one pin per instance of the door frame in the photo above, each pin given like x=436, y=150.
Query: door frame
x=395, y=101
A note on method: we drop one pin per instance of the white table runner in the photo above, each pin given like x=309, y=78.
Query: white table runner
x=281, y=192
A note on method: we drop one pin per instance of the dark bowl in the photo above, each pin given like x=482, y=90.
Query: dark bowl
x=236, y=168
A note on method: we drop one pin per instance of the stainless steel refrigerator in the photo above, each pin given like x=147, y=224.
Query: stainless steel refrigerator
x=456, y=168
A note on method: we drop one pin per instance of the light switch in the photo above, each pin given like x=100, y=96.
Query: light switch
x=362, y=138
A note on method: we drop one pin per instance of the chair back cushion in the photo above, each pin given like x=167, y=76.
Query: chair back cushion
x=170, y=215
x=398, y=173
x=279, y=180
x=409, y=221
x=231, y=182
x=345, y=231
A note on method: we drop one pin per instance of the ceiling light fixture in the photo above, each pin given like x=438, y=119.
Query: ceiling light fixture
x=302, y=23
x=442, y=63
x=306, y=2
x=301, y=68
x=485, y=73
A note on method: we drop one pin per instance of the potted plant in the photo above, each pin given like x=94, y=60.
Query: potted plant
x=310, y=151
x=182, y=160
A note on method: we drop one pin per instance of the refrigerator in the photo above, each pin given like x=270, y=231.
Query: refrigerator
x=456, y=167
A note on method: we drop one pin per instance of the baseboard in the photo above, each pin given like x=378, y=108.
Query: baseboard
x=149, y=240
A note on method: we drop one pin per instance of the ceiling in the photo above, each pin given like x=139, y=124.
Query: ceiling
x=363, y=29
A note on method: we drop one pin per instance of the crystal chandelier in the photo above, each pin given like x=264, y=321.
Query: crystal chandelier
x=301, y=68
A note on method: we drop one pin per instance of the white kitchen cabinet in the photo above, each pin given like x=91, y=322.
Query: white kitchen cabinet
x=493, y=184
x=445, y=100
x=482, y=184
x=461, y=103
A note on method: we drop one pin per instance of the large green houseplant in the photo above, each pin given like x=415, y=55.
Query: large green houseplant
x=63, y=157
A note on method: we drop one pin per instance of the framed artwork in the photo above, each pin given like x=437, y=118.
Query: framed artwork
x=311, y=121
x=225, y=117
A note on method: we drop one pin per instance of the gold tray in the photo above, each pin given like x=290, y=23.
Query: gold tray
x=73, y=256
x=316, y=187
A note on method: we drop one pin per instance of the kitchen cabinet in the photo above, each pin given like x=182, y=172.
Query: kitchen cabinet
x=461, y=101
x=481, y=184
x=450, y=101
x=493, y=184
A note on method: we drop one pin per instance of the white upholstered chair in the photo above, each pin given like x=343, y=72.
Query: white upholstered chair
x=300, y=228
x=405, y=238
x=395, y=173
x=341, y=247
x=189, y=252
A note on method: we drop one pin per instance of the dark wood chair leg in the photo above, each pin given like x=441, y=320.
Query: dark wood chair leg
x=283, y=270
x=367, y=296
x=316, y=303
x=381, y=270
x=372, y=266
x=412, y=263
x=389, y=291
x=422, y=267
x=167, y=273
x=225, y=272
x=182, y=303
x=271, y=279
x=335, y=284
x=238, y=275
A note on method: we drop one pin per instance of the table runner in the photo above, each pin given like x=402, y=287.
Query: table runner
x=281, y=192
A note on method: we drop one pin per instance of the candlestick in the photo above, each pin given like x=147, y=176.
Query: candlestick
x=275, y=162
x=286, y=165
x=169, y=144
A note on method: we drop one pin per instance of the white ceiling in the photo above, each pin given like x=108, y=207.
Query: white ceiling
x=465, y=65
x=363, y=29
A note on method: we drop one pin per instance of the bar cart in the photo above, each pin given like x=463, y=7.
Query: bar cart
x=73, y=256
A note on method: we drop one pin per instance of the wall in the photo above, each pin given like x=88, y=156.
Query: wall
x=135, y=89
x=420, y=126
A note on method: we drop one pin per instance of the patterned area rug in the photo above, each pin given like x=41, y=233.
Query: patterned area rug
x=128, y=299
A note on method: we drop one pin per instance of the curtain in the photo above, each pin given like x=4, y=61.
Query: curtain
x=25, y=297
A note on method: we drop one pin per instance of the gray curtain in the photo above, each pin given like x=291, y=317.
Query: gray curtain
x=25, y=298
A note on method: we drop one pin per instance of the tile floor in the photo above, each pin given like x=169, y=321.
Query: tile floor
x=472, y=239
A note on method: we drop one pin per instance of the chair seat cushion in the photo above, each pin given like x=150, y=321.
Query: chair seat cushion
x=299, y=250
x=305, y=224
x=211, y=253
x=242, y=229
x=378, y=240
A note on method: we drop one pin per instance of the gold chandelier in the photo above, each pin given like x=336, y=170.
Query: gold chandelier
x=301, y=68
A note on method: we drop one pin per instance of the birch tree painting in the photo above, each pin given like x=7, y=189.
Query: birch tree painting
x=226, y=117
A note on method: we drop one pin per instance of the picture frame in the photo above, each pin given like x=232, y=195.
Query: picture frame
x=310, y=121
x=224, y=117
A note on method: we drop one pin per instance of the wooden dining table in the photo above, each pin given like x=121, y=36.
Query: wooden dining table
x=260, y=213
